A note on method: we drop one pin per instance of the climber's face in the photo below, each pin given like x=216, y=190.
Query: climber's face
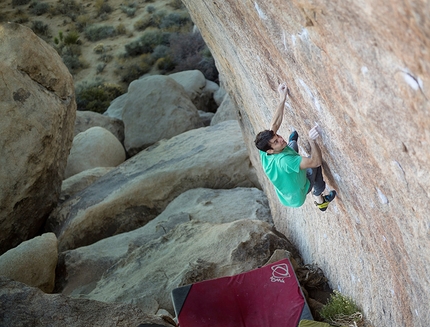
x=277, y=143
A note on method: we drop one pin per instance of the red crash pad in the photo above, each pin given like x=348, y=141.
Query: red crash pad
x=269, y=296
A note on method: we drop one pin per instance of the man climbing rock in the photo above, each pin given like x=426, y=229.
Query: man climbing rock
x=293, y=176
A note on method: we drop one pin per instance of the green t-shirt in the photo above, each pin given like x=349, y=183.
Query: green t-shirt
x=283, y=170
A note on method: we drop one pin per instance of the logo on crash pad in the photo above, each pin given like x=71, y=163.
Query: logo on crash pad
x=279, y=273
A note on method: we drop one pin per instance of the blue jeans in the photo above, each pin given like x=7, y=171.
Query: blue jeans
x=314, y=175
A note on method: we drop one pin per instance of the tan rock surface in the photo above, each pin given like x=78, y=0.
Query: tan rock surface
x=28, y=306
x=38, y=110
x=32, y=262
x=362, y=71
x=81, y=268
x=138, y=190
x=87, y=119
x=95, y=147
x=192, y=252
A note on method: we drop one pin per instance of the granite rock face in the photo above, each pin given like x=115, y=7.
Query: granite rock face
x=361, y=71
x=37, y=106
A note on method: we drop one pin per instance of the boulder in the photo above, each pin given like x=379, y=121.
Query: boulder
x=81, y=268
x=32, y=262
x=226, y=111
x=192, y=252
x=22, y=305
x=156, y=108
x=199, y=90
x=134, y=193
x=96, y=147
x=37, y=103
x=206, y=117
x=80, y=181
x=88, y=119
x=116, y=107
x=219, y=95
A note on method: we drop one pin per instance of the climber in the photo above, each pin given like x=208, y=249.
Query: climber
x=293, y=176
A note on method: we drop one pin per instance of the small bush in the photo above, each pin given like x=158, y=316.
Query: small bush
x=165, y=64
x=160, y=51
x=189, y=51
x=341, y=311
x=20, y=2
x=21, y=17
x=121, y=29
x=143, y=24
x=147, y=42
x=98, y=32
x=102, y=7
x=176, y=4
x=82, y=22
x=71, y=38
x=130, y=11
x=96, y=96
x=69, y=8
x=100, y=68
x=40, y=28
x=150, y=9
x=39, y=8
x=177, y=20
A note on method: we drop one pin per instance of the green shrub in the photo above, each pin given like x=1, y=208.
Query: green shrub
x=121, y=29
x=98, y=32
x=96, y=96
x=341, y=310
x=147, y=42
x=20, y=2
x=38, y=8
x=176, y=20
x=82, y=22
x=40, y=28
x=69, y=8
x=129, y=10
x=71, y=38
x=165, y=64
x=102, y=7
x=143, y=24
x=160, y=51
x=150, y=9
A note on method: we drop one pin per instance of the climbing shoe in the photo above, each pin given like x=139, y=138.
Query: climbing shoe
x=327, y=199
x=294, y=136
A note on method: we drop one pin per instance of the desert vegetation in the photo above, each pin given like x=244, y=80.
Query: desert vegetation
x=106, y=44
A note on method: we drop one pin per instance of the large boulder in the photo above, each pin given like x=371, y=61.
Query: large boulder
x=22, y=305
x=78, y=182
x=361, y=70
x=95, y=147
x=192, y=252
x=116, y=107
x=32, y=262
x=226, y=111
x=88, y=119
x=37, y=105
x=138, y=190
x=81, y=268
x=198, y=88
x=156, y=108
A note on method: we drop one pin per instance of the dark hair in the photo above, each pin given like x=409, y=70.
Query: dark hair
x=262, y=140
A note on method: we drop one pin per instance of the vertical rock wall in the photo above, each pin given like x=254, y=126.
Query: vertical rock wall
x=361, y=70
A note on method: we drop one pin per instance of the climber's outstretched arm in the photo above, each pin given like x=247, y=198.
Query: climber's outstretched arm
x=279, y=114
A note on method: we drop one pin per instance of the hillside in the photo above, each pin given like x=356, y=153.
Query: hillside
x=114, y=41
